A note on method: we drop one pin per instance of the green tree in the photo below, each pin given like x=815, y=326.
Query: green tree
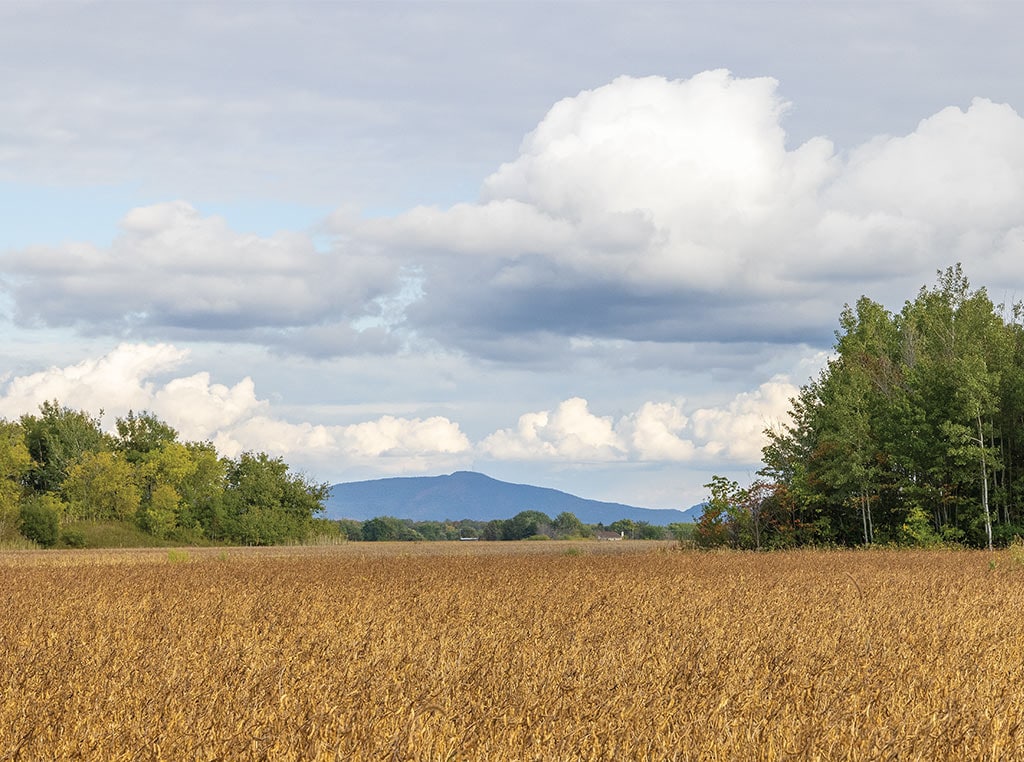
x=202, y=490
x=56, y=439
x=265, y=504
x=163, y=473
x=567, y=525
x=381, y=529
x=682, y=532
x=494, y=529
x=911, y=431
x=625, y=527
x=647, y=531
x=39, y=522
x=15, y=463
x=159, y=515
x=141, y=434
x=722, y=522
x=525, y=524
x=352, y=529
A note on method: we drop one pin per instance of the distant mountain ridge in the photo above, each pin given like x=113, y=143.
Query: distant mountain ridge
x=471, y=495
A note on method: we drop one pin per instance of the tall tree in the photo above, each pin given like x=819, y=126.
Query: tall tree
x=142, y=433
x=56, y=439
x=911, y=426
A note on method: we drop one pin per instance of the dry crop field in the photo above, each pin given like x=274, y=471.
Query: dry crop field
x=501, y=651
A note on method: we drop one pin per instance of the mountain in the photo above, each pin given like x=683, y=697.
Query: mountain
x=694, y=513
x=469, y=495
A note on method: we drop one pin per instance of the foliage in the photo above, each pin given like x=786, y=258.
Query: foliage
x=101, y=486
x=566, y=525
x=911, y=433
x=139, y=435
x=39, y=521
x=352, y=529
x=682, y=532
x=526, y=524
x=72, y=538
x=381, y=529
x=56, y=439
x=61, y=459
x=265, y=504
x=15, y=463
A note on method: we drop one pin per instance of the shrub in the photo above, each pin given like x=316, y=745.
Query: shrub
x=38, y=521
x=73, y=538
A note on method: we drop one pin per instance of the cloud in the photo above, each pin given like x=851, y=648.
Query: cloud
x=569, y=433
x=656, y=432
x=172, y=269
x=662, y=210
x=122, y=377
x=736, y=431
x=647, y=210
x=232, y=417
x=148, y=377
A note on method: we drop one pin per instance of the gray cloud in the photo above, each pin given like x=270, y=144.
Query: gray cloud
x=645, y=210
x=409, y=102
x=673, y=211
x=174, y=272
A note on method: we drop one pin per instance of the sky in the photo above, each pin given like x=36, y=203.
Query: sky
x=595, y=246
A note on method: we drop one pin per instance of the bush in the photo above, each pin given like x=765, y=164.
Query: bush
x=39, y=522
x=73, y=538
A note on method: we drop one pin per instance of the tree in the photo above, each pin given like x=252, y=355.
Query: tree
x=625, y=527
x=525, y=524
x=381, y=529
x=159, y=516
x=202, y=490
x=15, y=463
x=494, y=529
x=352, y=529
x=647, y=531
x=720, y=523
x=265, y=504
x=102, y=486
x=139, y=435
x=912, y=430
x=56, y=439
x=567, y=525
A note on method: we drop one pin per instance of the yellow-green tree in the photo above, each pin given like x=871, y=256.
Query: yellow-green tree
x=160, y=516
x=102, y=486
x=15, y=462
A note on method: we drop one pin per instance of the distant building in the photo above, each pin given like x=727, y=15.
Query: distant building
x=603, y=534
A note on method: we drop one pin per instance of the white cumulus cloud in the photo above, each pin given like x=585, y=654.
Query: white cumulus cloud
x=675, y=210
x=570, y=433
x=232, y=417
x=656, y=432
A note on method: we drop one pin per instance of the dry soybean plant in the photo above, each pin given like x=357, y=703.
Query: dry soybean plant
x=403, y=654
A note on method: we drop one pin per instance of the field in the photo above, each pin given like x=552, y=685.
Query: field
x=511, y=651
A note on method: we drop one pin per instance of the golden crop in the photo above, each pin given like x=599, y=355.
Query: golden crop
x=539, y=651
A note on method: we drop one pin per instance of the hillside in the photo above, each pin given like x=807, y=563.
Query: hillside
x=469, y=495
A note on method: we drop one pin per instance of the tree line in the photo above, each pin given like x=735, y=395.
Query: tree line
x=913, y=434
x=59, y=469
x=525, y=525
